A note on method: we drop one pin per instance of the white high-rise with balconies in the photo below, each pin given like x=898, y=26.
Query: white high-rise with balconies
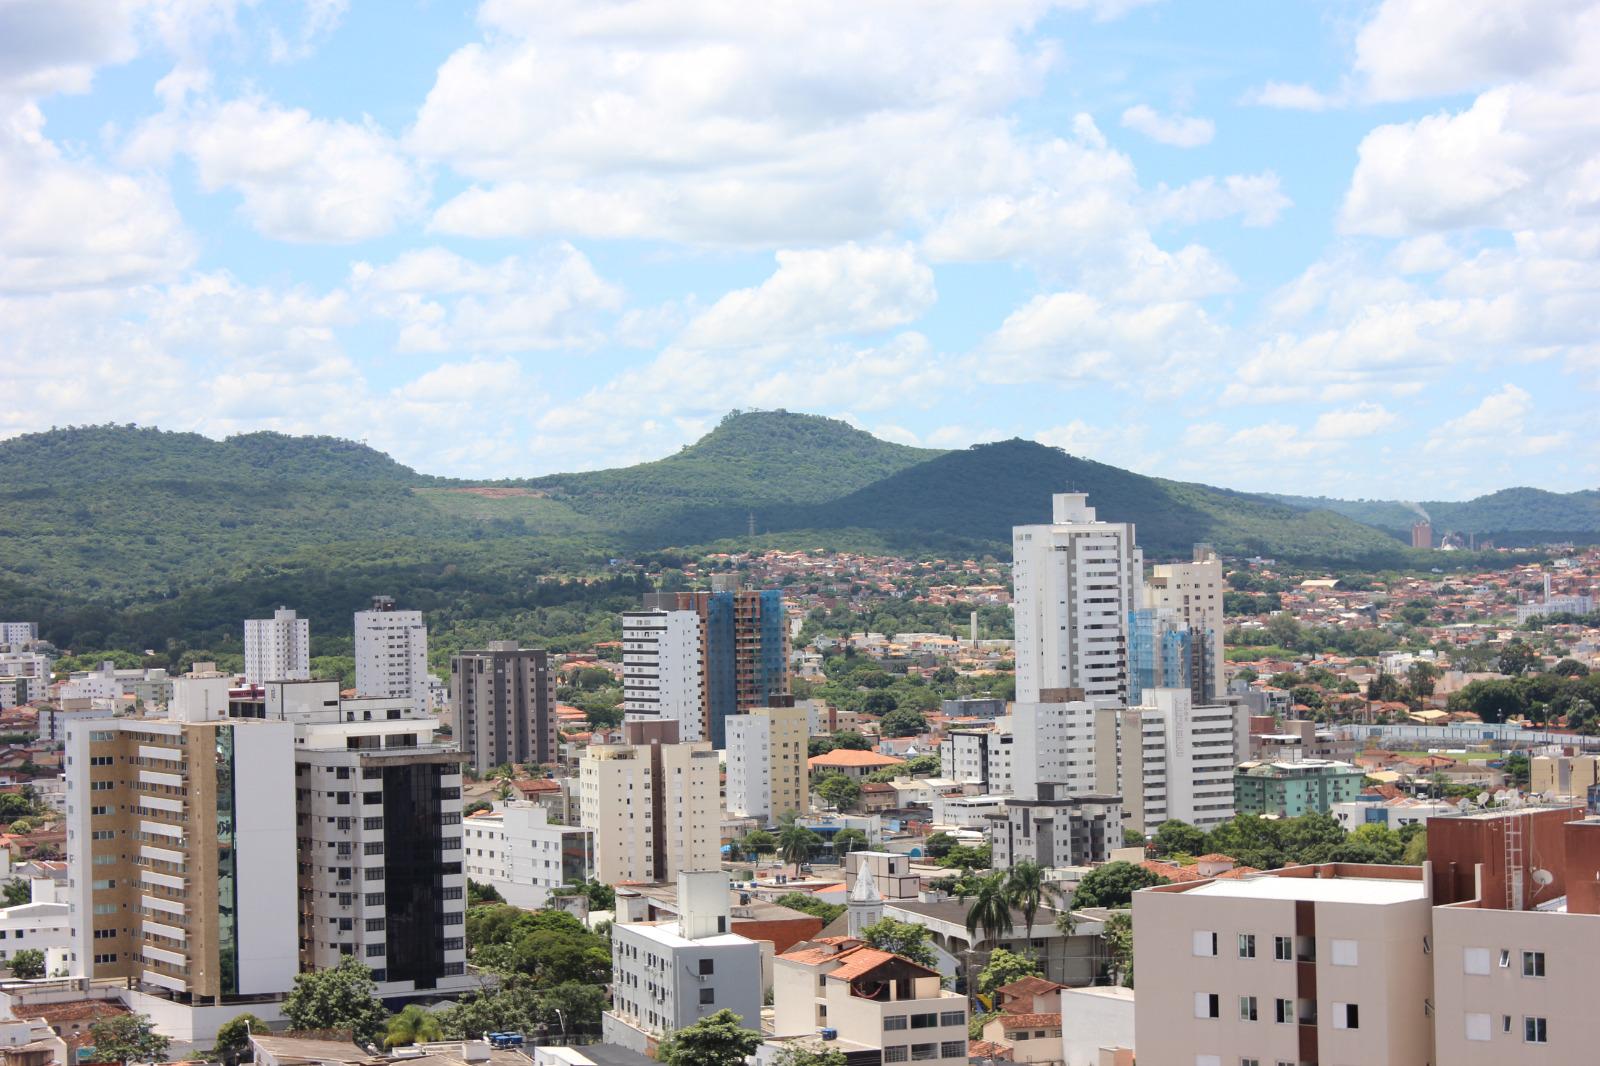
x=1075, y=581
x=1195, y=590
x=392, y=653
x=277, y=648
x=663, y=668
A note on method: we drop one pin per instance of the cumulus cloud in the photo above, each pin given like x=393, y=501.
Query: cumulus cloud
x=1292, y=96
x=49, y=46
x=1179, y=131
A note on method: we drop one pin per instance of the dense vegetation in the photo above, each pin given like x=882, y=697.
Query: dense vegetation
x=1512, y=517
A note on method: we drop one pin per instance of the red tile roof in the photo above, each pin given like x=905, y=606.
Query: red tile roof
x=1029, y=1021
x=851, y=757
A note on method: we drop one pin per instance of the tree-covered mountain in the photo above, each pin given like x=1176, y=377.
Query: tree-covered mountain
x=1512, y=517
x=969, y=500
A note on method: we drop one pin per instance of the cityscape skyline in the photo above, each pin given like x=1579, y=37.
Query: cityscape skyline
x=1169, y=238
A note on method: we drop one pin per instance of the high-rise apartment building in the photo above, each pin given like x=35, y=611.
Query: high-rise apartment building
x=767, y=752
x=503, y=698
x=391, y=652
x=1054, y=743
x=981, y=757
x=17, y=634
x=1160, y=652
x=1170, y=758
x=663, y=668
x=1075, y=579
x=277, y=648
x=744, y=642
x=1195, y=591
x=1290, y=789
x=181, y=849
x=654, y=803
x=1055, y=828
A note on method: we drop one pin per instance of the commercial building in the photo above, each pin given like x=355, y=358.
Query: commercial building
x=503, y=699
x=668, y=975
x=1054, y=828
x=1393, y=814
x=870, y=1001
x=277, y=648
x=181, y=849
x=1076, y=580
x=655, y=804
x=981, y=757
x=663, y=668
x=1290, y=789
x=744, y=652
x=1311, y=964
x=523, y=856
x=1194, y=591
x=391, y=652
x=1169, y=759
x=767, y=752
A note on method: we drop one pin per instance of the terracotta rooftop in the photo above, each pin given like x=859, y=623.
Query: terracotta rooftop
x=1031, y=985
x=1029, y=1021
x=988, y=1049
x=851, y=757
x=858, y=962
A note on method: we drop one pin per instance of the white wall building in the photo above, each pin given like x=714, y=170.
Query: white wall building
x=663, y=668
x=1170, y=759
x=43, y=924
x=17, y=634
x=391, y=652
x=277, y=648
x=523, y=856
x=981, y=757
x=1054, y=743
x=655, y=807
x=1096, y=1024
x=767, y=762
x=32, y=666
x=1194, y=590
x=667, y=975
x=1394, y=814
x=966, y=812
x=1075, y=581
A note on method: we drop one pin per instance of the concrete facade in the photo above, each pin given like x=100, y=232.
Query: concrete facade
x=503, y=698
x=655, y=805
x=767, y=756
x=277, y=648
x=1194, y=590
x=1170, y=759
x=391, y=653
x=663, y=668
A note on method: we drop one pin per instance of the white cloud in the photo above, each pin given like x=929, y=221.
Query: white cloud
x=1179, y=131
x=847, y=289
x=301, y=178
x=1351, y=423
x=1292, y=96
x=446, y=302
x=1255, y=198
x=50, y=46
x=70, y=224
x=1496, y=427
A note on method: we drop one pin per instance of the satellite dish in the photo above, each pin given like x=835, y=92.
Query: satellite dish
x=1483, y=797
x=1543, y=878
x=1500, y=796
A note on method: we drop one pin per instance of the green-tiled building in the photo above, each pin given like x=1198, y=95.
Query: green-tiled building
x=1290, y=789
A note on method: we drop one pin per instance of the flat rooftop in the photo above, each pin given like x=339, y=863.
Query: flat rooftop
x=1370, y=890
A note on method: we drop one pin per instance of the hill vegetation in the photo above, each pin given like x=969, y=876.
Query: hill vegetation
x=1512, y=517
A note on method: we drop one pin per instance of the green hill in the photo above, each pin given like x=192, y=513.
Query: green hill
x=1512, y=517
x=970, y=500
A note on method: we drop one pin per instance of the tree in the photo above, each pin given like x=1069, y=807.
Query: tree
x=847, y=840
x=338, y=998
x=127, y=1038
x=990, y=909
x=1028, y=891
x=964, y=855
x=1416, y=852
x=837, y=790
x=903, y=722
x=602, y=897
x=1006, y=966
x=572, y=1003
x=16, y=892
x=1517, y=658
x=795, y=844
x=413, y=1025
x=1420, y=676
x=808, y=1055
x=233, y=1038
x=851, y=740
x=1570, y=668
x=902, y=938
x=715, y=1040
x=1176, y=837
x=807, y=904
x=27, y=964
x=1385, y=688
x=938, y=845
x=1119, y=945
x=1113, y=885
x=759, y=842
x=478, y=893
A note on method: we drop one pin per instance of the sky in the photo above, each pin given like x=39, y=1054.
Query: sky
x=1347, y=249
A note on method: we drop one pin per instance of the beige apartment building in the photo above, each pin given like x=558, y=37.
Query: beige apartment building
x=655, y=805
x=1564, y=775
x=767, y=751
x=181, y=852
x=1195, y=590
x=871, y=1000
x=1313, y=964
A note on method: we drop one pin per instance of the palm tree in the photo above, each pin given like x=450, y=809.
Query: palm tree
x=990, y=912
x=795, y=844
x=412, y=1026
x=1028, y=890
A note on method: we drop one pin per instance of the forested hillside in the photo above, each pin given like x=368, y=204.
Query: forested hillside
x=1512, y=517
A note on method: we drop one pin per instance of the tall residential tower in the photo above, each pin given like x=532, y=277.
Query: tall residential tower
x=392, y=653
x=277, y=648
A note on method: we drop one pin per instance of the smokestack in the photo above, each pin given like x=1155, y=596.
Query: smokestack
x=974, y=628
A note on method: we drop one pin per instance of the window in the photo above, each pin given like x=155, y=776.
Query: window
x=924, y=1021
x=921, y=1052
x=890, y=1021
x=1208, y=1060
x=1475, y=961
x=374, y=925
x=1346, y=1016
x=1478, y=1026
x=1207, y=1005
x=1205, y=943
x=1344, y=953
x=1284, y=1011
x=1533, y=964
x=374, y=950
x=708, y=995
x=374, y=899
x=1247, y=945
x=1249, y=1062
x=953, y=1017
x=1283, y=948
x=894, y=1054
x=1247, y=1008
x=707, y=967
x=1533, y=1031
x=1505, y=958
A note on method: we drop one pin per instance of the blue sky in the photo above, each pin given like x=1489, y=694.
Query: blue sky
x=1348, y=248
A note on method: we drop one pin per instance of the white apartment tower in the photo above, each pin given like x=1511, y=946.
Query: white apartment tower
x=767, y=762
x=1194, y=590
x=1075, y=581
x=663, y=668
x=392, y=653
x=277, y=648
x=1054, y=744
x=1171, y=758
